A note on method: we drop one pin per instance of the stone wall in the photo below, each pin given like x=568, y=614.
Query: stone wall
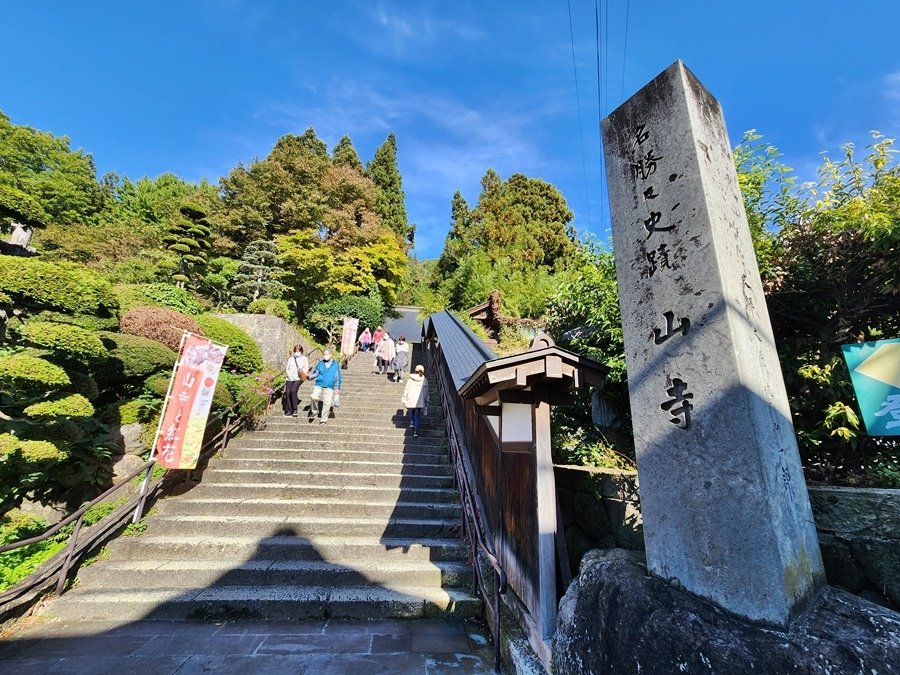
x=274, y=335
x=858, y=528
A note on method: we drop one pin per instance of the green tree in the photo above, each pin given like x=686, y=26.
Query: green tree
x=344, y=154
x=458, y=244
x=258, y=275
x=308, y=265
x=385, y=174
x=189, y=239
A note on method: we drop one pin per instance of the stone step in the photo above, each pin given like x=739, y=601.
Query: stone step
x=332, y=478
x=211, y=486
x=217, y=506
x=331, y=548
x=302, y=526
x=269, y=603
x=317, y=465
x=153, y=573
x=339, y=435
x=287, y=442
x=386, y=457
x=362, y=430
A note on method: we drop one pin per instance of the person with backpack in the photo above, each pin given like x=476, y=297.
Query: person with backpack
x=327, y=380
x=415, y=397
x=296, y=371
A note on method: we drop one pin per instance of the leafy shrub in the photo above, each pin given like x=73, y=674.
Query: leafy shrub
x=60, y=286
x=18, y=564
x=222, y=398
x=243, y=353
x=157, y=385
x=157, y=295
x=69, y=342
x=160, y=324
x=83, y=384
x=133, y=357
x=271, y=307
x=86, y=321
x=127, y=412
x=29, y=374
x=73, y=405
x=326, y=318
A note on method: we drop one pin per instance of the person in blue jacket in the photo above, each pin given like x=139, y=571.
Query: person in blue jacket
x=326, y=378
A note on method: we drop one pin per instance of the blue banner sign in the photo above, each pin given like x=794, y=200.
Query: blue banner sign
x=875, y=372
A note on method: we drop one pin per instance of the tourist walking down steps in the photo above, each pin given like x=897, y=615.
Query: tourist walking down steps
x=327, y=381
x=415, y=397
x=296, y=371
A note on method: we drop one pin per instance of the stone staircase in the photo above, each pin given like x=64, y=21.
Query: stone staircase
x=352, y=519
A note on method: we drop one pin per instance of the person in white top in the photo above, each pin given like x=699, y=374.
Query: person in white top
x=401, y=361
x=295, y=371
x=415, y=397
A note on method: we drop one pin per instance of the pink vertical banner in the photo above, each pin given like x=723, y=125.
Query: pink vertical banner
x=348, y=338
x=179, y=437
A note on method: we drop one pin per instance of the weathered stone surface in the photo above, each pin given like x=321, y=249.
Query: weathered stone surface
x=615, y=618
x=124, y=465
x=840, y=566
x=591, y=516
x=862, y=511
x=627, y=523
x=273, y=334
x=726, y=511
x=880, y=559
x=129, y=438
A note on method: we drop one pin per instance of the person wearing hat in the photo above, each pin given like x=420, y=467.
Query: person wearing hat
x=326, y=377
x=415, y=397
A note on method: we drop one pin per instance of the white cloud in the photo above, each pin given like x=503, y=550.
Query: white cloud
x=403, y=32
x=892, y=86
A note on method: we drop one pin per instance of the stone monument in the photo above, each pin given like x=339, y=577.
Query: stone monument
x=725, y=505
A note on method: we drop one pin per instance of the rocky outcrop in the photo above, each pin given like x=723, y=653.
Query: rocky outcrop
x=615, y=618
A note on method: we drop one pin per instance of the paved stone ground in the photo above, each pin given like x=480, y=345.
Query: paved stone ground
x=313, y=648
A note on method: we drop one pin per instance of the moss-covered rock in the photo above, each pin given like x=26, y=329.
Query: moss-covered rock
x=132, y=357
x=243, y=353
x=272, y=307
x=69, y=342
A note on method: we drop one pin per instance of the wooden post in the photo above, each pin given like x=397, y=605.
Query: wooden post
x=546, y=517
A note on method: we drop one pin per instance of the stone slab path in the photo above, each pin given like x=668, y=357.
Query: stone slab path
x=237, y=648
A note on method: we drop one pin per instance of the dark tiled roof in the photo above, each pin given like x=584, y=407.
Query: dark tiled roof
x=463, y=350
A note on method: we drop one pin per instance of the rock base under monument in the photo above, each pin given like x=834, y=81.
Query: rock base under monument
x=615, y=618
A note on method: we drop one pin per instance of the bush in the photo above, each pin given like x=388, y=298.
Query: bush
x=83, y=384
x=133, y=357
x=68, y=342
x=128, y=412
x=157, y=385
x=60, y=286
x=160, y=324
x=20, y=563
x=73, y=405
x=243, y=353
x=86, y=321
x=157, y=295
x=326, y=317
x=271, y=307
x=23, y=373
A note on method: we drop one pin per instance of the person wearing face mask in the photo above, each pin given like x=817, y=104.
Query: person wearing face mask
x=296, y=371
x=326, y=377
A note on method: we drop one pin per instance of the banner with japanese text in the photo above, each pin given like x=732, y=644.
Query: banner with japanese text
x=875, y=372
x=348, y=339
x=180, y=434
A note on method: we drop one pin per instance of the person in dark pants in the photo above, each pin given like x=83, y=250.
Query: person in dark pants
x=296, y=371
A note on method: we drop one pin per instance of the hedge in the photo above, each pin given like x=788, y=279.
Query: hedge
x=83, y=384
x=243, y=353
x=31, y=373
x=157, y=295
x=31, y=451
x=272, y=307
x=160, y=324
x=62, y=286
x=69, y=342
x=87, y=321
x=73, y=405
x=133, y=357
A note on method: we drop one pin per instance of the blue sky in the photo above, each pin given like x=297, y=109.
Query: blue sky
x=196, y=86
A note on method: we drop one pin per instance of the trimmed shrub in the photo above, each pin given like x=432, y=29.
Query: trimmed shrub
x=271, y=307
x=86, y=321
x=133, y=357
x=157, y=295
x=40, y=451
x=243, y=353
x=73, y=405
x=157, y=385
x=69, y=342
x=160, y=324
x=61, y=286
x=128, y=412
x=30, y=374
x=222, y=397
x=83, y=384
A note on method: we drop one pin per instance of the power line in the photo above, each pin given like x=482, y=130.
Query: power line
x=600, y=104
x=587, y=194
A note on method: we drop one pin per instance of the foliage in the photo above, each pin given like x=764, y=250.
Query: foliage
x=272, y=307
x=159, y=323
x=243, y=353
x=134, y=357
x=73, y=405
x=258, y=275
x=216, y=283
x=30, y=375
x=66, y=341
x=344, y=154
x=308, y=265
x=17, y=206
x=388, y=188
x=89, y=322
x=327, y=318
x=189, y=238
x=157, y=295
x=19, y=563
x=67, y=287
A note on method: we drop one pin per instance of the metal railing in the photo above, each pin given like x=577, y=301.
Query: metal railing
x=475, y=525
x=36, y=583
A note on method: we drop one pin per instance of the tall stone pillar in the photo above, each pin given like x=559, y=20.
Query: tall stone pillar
x=726, y=511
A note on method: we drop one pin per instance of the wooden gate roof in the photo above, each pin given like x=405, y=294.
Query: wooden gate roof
x=464, y=352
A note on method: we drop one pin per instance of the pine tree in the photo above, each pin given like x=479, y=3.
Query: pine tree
x=344, y=154
x=457, y=245
x=258, y=274
x=189, y=238
x=389, y=189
